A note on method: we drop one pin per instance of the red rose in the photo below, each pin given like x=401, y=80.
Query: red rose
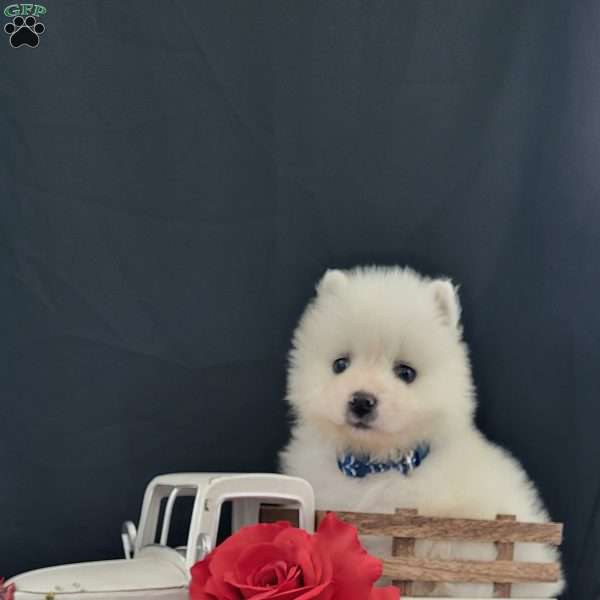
x=7, y=592
x=279, y=562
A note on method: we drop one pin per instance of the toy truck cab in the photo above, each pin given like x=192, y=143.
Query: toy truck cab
x=151, y=568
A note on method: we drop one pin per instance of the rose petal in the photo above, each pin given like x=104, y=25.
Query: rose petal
x=7, y=592
x=251, y=591
x=263, y=533
x=273, y=574
x=296, y=544
x=385, y=593
x=254, y=558
x=320, y=592
x=292, y=535
x=200, y=575
x=354, y=571
x=220, y=589
x=200, y=571
x=196, y=591
x=340, y=536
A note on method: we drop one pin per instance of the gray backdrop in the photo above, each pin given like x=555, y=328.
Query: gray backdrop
x=175, y=176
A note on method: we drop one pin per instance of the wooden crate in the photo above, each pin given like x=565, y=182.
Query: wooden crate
x=407, y=526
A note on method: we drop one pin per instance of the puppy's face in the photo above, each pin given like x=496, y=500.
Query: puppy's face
x=378, y=361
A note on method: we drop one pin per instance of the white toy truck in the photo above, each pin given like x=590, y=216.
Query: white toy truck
x=151, y=568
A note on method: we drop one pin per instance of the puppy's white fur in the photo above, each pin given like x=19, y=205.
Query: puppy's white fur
x=379, y=317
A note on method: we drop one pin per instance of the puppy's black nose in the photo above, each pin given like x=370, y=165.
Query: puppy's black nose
x=362, y=404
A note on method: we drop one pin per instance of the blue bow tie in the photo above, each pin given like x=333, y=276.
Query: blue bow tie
x=361, y=466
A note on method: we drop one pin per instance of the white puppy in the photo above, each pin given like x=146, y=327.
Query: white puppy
x=381, y=390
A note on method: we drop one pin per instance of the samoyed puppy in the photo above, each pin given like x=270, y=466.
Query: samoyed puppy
x=381, y=391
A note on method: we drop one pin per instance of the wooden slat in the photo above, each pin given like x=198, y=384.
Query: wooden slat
x=404, y=547
x=436, y=528
x=505, y=551
x=469, y=571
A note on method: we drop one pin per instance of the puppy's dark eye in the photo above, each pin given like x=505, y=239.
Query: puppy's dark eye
x=404, y=372
x=340, y=364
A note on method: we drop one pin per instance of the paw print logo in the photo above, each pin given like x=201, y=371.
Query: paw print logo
x=24, y=31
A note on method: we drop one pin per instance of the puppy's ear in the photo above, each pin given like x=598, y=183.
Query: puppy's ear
x=333, y=281
x=446, y=299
